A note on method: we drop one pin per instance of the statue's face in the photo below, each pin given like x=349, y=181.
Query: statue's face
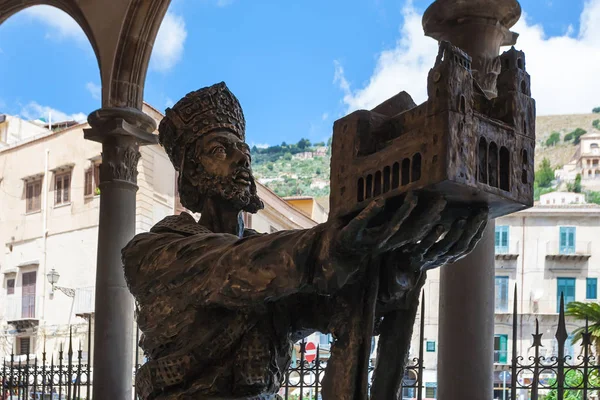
x=224, y=170
x=223, y=154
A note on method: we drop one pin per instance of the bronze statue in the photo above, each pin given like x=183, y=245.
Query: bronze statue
x=220, y=306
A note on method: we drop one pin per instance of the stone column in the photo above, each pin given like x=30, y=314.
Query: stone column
x=466, y=329
x=121, y=131
x=466, y=324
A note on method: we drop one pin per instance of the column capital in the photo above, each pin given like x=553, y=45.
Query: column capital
x=121, y=131
x=129, y=123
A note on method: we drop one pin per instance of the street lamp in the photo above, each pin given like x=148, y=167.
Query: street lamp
x=53, y=277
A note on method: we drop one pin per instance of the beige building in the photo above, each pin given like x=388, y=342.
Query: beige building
x=549, y=249
x=585, y=162
x=14, y=130
x=49, y=213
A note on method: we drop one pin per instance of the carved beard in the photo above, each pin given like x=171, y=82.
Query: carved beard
x=240, y=196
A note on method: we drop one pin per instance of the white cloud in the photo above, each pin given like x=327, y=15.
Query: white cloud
x=564, y=69
x=34, y=110
x=168, y=46
x=224, y=3
x=169, y=102
x=95, y=90
x=324, y=116
x=61, y=24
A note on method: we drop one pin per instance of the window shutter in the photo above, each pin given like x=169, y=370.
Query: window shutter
x=58, y=190
x=88, y=184
x=66, y=188
x=96, y=176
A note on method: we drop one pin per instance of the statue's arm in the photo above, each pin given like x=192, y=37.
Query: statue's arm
x=222, y=269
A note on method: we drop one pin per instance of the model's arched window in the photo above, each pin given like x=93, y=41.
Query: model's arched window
x=395, y=175
x=504, y=169
x=377, y=184
x=369, y=189
x=405, y=171
x=360, y=191
x=482, y=160
x=493, y=165
x=416, y=168
x=387, y=176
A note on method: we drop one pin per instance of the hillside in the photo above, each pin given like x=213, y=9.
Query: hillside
x=562, y=152
x=303, y=168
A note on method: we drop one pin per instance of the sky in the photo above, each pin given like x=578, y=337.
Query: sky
x=295, y=66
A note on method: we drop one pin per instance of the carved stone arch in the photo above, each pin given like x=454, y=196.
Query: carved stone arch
x=9, y=8
x=128, y=75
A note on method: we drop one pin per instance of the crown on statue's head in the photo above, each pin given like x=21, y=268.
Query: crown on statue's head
x=198, y=113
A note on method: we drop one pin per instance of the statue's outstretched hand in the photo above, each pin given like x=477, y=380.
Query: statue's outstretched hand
x=402, y=266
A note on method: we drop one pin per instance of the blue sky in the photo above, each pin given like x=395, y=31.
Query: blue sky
x=296, y=66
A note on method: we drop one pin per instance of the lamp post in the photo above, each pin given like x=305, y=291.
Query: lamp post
x=53, y=277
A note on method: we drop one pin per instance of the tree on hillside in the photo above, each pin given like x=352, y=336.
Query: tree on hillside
x=575, y=136
x=596, y=123
x=553, y=139
x=596, y=110
x=303, y=144
x=575, y=186
x=545, y=175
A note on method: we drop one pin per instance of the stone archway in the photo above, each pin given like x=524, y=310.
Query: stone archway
x=122, y=35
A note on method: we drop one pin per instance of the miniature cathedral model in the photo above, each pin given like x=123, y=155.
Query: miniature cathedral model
x=459, y=143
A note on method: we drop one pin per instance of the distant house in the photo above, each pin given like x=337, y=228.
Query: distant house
x=320, y=151
x=319, y=183
x=307, y=155
x=585, y=162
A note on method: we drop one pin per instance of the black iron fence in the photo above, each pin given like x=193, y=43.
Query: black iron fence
x=68, y=375
x=558, y=377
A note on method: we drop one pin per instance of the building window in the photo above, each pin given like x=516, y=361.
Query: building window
x=325, y=340
x=92, y=181
x=501, y=239
x=431, y=390
x=500, y=349
x=28, y=290
x=430, y=346
x=591, y=291
x=10, y=286
x=247, y=220
x=33, y=195
x=62, y=188
x=566, y=287
x=567, y=240
x=501, y=294
x=24, y=346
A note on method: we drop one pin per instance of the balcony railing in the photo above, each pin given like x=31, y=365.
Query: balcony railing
x=20, y=308
x=511, y=250
x=84, y=301
x=578, y=250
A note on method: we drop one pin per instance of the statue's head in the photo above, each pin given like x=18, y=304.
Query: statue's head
x=203, y=134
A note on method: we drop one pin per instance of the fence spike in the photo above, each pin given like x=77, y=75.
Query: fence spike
x=513, y=377
x=561, y=337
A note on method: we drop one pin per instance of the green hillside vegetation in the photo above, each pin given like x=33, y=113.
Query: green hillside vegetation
x=288, y=176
